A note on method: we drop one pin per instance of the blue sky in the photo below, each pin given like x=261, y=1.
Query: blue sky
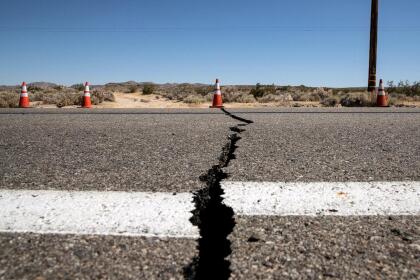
x=311, y=42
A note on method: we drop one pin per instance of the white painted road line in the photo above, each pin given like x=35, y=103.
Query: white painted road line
x=98, y=213
x=167, y=215
x=311, y=199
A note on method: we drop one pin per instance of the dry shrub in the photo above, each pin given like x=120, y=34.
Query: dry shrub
x=231, y=96
x=66, y=97
x=309, y=96
x=405, y=88
x=132, y=89
x=126, y=87
x=63, y=96
x=109, y=96
x=209, y=97
x=270, y=98
x=194, y=99
x=262, y=90
x=180, y=92
x=99, y=96
x=356, y=99
x=403, y=97
x=9, y=99
x=238, y=97
x=246, y=98
x=331, y=101
x=300, y=96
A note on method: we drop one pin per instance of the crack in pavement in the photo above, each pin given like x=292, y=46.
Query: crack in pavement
x=214, y=219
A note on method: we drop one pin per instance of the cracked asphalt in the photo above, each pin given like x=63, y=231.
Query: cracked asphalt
x=332, y=145
x=168, y=150
x=119, y=150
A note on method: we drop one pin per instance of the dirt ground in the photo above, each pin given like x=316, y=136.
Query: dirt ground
x=137, y=100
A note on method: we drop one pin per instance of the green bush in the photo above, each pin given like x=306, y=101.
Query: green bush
x=78, y=87
x=404, y=88
x=32, y=88
x=261, y=90
x=148, y=89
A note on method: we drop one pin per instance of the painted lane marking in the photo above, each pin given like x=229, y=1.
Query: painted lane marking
x=329, y=199
x=167, y=215
x=97, y=213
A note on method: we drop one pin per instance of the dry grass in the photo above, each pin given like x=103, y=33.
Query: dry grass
x=198, y=94
x=60, y=96
x=194, y=99
x=356, y=99
x=9, y=99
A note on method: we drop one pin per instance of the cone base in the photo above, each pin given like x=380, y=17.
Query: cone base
x=217, y=101
x=382, y=101
x=216, y=107
x=24, y=102
x=86, y=102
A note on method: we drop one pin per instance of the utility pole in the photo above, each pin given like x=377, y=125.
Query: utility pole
x=373, y=46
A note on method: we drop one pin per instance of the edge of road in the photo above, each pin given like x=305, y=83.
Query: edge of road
x=342, y=110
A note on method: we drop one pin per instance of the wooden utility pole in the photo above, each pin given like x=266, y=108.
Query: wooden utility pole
x=373, y=46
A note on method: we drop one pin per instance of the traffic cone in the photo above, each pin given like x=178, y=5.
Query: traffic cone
x=217, y=97
x=86, y=97
x=24, y=98
x=382, y=100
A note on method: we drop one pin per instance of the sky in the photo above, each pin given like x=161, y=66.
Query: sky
x=286, y=42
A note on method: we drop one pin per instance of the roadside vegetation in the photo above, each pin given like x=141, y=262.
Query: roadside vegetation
x=51, y=94
x=404, y=91
x=400, y=94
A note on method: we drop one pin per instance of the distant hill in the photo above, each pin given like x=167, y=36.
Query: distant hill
x=42, y=84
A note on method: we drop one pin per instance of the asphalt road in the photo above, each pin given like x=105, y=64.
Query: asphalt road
x=110, y=149
x=120, y=150
x=356, y=145
x=168, y=151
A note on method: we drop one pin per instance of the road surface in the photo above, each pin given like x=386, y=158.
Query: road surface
x=57, y=166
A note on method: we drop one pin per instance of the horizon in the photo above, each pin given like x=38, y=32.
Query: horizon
x=241, y=42
x=179, y=83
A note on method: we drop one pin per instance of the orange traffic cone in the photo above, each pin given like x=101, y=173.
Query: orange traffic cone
x=86, y=97
x=382, y=100
x=217, y=97
x=24, y=98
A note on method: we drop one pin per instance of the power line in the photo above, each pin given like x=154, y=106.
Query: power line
x=205, y=28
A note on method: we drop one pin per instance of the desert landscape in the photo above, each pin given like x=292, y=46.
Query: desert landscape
x=186, y=95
